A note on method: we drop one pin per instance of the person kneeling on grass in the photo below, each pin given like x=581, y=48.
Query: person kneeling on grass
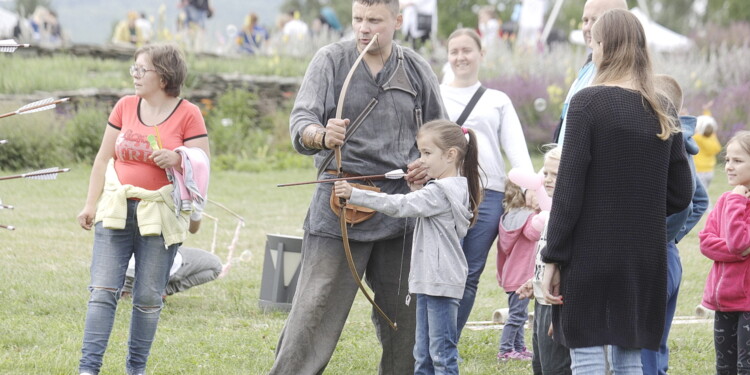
x=191, y=267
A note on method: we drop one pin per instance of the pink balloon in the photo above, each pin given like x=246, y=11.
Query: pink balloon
x=532, y=181
x=525, y=178
x=544, y=200
x=540, y=220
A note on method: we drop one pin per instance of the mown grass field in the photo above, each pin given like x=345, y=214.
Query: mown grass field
x=218, y=328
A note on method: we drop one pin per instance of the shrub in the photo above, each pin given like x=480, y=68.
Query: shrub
x=728, y=107
x=539, y=122
x=248, y=133
x=233, y=124
x=84, y=132
x=712, y=35
x=33, y=142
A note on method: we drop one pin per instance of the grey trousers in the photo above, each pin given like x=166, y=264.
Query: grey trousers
x=198, y=267
x=324, y=296
x=550, y=358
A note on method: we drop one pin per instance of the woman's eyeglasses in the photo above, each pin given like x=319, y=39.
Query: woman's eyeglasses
x=139, y=71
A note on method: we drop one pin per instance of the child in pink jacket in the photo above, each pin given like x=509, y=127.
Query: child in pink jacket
x=726, y=241
x=519, y=233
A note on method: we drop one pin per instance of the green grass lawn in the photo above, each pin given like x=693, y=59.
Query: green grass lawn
x=218, y=328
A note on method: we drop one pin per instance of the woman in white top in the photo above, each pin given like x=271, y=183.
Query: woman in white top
x=496, y=125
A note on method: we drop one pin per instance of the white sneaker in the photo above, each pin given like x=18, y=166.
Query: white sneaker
x=86, y=373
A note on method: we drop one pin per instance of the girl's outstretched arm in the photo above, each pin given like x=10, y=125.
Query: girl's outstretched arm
x=426, y=202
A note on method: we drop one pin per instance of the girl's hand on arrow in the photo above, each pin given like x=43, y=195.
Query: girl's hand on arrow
x=343, y=189
x=166, y=158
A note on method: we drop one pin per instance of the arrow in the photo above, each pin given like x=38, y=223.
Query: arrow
x=41, y=105
x=240, y=218
x=233, y=244
x=42, y=174
x=10, y=45
x=392, y=175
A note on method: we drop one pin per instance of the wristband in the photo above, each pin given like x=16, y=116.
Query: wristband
x=313, y=137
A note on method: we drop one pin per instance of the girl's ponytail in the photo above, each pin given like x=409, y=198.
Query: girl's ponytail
x=448, y=134
x=470, y=170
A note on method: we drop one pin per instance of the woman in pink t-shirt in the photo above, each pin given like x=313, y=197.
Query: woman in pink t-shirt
x=138, y=173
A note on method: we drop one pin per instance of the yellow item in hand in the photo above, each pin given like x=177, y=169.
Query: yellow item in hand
x=153, y=143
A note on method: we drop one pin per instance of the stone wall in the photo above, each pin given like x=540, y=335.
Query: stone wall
x=275, y=90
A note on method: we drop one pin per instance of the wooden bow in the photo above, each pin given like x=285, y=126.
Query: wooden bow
x=342, y=214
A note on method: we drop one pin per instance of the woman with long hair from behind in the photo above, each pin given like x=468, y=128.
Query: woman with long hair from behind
x=623, y=167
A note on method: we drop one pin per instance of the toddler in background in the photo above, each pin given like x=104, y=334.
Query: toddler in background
x=709, y=146
x=726, y=240
x=519, y=233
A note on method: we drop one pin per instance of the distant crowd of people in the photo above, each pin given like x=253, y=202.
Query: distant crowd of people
x=419, y=25
x=252, y=37
x=42, y=27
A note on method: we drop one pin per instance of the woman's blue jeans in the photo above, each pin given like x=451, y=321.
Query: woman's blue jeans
x=112, y=251
x=592, y=361
x=476, y=246
x=195, y=15
x=657, y=362
x=435, y=347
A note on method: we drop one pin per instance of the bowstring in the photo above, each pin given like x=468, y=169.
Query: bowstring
x=406, y=220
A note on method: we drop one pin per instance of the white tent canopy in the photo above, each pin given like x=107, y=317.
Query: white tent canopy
x=8, y=21
x=660, y=39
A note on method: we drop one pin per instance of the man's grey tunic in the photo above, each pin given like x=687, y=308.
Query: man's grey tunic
x=386, y=139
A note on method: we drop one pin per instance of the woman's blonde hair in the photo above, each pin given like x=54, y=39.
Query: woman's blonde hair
x=625, y=54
